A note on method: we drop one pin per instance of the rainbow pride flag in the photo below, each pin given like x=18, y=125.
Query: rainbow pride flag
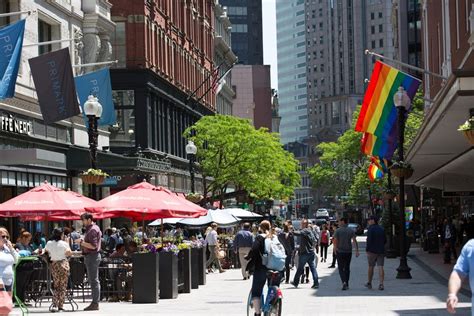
x=378, y=114
x=372, y=145
x=374, y=172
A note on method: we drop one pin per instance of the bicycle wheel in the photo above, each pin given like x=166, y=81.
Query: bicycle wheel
x=276, y=309
x=249, y=304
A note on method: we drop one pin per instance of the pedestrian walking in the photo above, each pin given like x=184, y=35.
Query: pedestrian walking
x=8, y=257
x=375, y=249
x=243, y=242
x=332, y=230
x=448, y=237
x=343, y=238
x=213, y=245
x=324, y=243
x=463, y=269
x=287, y=239
x=58, y=251
x=306, y=254
x=91, y=245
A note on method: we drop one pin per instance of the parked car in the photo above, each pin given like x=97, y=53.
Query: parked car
x=358, y=230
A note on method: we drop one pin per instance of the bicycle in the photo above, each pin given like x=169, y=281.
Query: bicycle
x=272, y=304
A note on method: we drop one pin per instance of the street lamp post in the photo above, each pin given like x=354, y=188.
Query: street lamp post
x=191, y=150
x=93, y=111
x=402, y=102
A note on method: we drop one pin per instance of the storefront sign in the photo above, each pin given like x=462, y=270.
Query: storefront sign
x=152, y=165
x=458, y=194
x=13, y=125
x=111, y=181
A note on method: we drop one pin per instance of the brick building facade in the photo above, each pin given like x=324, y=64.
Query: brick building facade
x=162, y=83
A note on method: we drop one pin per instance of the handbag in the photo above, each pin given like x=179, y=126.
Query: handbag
x=220, y=254
x=6, y=303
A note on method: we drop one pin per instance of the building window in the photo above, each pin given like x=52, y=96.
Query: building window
x=119, y=45
x=380, y=28
x=321, y=40
x=381, y=42
x=372, y=15
x=237, y=10
x=124, y=129
x=239, y=28
x=373, y=44
x=4, y=8
x=372, y=29
x=45, y=34
x=380, y=15
x=300, y=13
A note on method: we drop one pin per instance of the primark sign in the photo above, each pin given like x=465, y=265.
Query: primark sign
x=8, y=123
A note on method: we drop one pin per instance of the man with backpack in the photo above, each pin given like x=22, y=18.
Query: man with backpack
x=306, y=254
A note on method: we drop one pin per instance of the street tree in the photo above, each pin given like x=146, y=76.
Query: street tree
x=233, y=154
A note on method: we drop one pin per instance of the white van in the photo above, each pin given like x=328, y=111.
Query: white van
x=322, y=213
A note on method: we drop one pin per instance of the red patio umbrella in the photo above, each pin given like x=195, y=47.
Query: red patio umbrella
x=47, y=202
x=143, y=201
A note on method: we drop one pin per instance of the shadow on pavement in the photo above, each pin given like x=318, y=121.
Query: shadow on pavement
x=465, y=311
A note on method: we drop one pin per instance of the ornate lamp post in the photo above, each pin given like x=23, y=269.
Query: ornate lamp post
x=93, y=111
x=402, y=102
x=191, y=150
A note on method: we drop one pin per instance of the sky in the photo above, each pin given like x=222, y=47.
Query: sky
x=269, y=39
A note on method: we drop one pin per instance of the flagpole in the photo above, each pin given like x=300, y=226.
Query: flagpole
x=49, y=42
x=96, y=64
x=202, y=83
x=368, y=52
x=3, y=15
x=220, y=78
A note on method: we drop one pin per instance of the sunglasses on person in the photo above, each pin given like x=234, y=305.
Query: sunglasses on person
x=4, y=237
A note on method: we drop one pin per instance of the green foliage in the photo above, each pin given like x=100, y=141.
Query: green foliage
x=343, y=168
x=239, y=155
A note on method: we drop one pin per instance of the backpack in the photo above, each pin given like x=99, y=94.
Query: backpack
x=274, y=255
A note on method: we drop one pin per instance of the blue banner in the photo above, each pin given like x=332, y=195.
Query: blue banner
x=11, y=43
x=97, y=83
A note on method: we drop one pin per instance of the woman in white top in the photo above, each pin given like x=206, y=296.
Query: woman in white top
x=8, y=257
x=58, y=251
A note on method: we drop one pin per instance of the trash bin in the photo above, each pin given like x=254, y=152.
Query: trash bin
x=433, y=242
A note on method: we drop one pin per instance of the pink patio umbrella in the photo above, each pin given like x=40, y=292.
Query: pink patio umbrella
x=47, y=202
x=143, y=201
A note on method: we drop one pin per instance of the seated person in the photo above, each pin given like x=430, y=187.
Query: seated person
x=132, y=248
x=24, y=242
x=119, y=251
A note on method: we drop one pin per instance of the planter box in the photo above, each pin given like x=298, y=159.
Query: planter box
x=202, y=266
x=168, y=275
x=401, y=172
x=195, y=268
x=184, y=271
x=90, y=179
x=146, y=277
x=469, y=136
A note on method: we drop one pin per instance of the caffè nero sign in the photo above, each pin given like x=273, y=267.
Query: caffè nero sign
x=8, y=123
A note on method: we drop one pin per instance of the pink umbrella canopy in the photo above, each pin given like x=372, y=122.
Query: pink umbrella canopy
x=46, y=201
x=144, y=201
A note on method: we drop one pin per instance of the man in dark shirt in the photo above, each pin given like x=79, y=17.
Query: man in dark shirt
x=375, y=250
x=90, y=246
x=306, y=254
x=343, y=239
x=243, y=242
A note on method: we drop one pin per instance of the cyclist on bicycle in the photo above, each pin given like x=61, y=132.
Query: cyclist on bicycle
x=255, y=265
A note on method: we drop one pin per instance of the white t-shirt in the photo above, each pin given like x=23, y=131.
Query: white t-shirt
x=211, y=238
x=57, y=249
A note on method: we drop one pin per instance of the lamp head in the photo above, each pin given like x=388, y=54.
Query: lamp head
x=92, y=107
x=191, y=149
x=401, y=99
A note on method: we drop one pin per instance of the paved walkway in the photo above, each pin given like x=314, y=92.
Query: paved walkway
x=226, y=294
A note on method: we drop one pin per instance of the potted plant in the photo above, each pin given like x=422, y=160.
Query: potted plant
x=93, y=176
x=198, y=263
x=184, y=268
x=389, y=194
x=194, y=197
x=168, y=270
x=401, y=169
x=146, y=272
x=468, y=130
